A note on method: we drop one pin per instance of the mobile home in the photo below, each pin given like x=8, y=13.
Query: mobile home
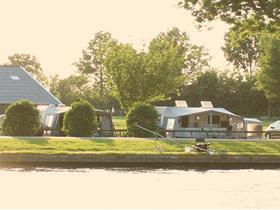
x=204, y=121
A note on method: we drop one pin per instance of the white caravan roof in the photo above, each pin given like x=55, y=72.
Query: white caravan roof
x=184, y=111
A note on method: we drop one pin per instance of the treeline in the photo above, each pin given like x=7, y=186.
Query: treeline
x=114, y=74
x=233, y=92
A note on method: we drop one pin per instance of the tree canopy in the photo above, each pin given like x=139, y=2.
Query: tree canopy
x=242, y=43
x=195, y=57
x=232, y=91
x=70, y=89
x=231, y=11
x=153, y=75
x=92, y=61
x=31, y=64
x=269, y=75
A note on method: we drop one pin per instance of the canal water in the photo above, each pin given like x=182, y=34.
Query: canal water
x=123, y=188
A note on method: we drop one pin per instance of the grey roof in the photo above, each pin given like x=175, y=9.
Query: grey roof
x=183, y=111
x=253, y=120
x=17, y=84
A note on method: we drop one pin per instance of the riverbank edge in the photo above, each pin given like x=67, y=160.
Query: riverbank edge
x=139, y=158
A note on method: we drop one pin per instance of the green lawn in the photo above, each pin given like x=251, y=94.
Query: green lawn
x=242, y=147
x=129, y=146
x=83, y=145
x=119, y=122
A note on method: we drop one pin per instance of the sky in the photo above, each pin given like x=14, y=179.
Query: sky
x=56, y=31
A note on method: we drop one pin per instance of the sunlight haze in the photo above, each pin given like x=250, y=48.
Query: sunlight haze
x=57, y=31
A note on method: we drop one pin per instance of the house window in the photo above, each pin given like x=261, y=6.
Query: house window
x=185, y=122
x=216, y=119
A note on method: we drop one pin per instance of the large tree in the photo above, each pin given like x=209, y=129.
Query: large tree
x=231, y=11
x=30, y=63
x=195, y=57
x=126, y=74
x=92, y=61
x=269, y=75
x=242, y=43
x=153, y=75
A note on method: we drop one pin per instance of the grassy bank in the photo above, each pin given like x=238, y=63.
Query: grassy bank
x=130, y=146
x=84, y=145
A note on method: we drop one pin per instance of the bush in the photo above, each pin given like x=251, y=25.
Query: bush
x=142, y=114
x=80, y=120
x=21, y=119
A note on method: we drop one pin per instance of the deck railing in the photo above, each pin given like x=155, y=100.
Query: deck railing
x=191, y=133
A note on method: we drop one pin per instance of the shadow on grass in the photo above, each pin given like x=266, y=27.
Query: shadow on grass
x=77, y=141
x=33, y=140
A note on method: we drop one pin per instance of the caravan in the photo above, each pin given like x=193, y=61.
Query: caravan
x=51, y=118
x=196, y=122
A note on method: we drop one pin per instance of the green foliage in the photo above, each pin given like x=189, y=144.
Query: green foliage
x=142, y=114
x=76, y=87
x=152, y=76
x=92, y=61
x=70, y=89
x=269, y=76
x=195, y=57
x=54, y=83
x=268, y=79
x=126, y=74
x=231, y=11
x=30, y=64
x=80, y=120
x=176, y=56
x=242, y=43
x=231, y=91
x=21, y=119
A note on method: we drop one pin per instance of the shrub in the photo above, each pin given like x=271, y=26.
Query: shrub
x=22, y=118
x=142, y=114
x=80, y=120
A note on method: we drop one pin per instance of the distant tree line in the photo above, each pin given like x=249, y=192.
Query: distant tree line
x=114, y=74
x=252, y=43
